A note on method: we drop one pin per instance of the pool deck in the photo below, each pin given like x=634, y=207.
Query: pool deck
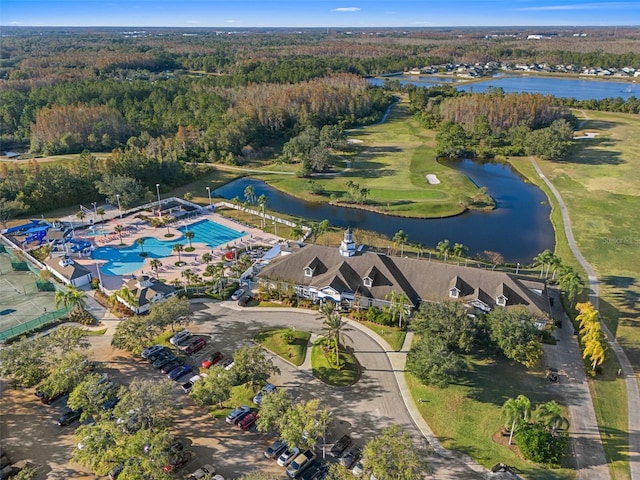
x=135, y=229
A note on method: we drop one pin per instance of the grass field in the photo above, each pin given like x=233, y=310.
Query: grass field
x=293, y=352
x=466, y=416
x=391, y=162
x=323, y=369
x=598, y=184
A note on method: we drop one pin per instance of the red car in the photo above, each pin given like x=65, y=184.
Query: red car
x=211, y=360
x=48, y=400
x=248, y=420
x=178, y=461
x=195, y=346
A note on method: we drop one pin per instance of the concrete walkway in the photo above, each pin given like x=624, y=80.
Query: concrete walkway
x=633, y=395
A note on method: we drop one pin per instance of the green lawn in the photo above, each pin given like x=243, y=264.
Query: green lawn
x=323, y=368
x=240, y=395
x=393, y=336
x=273, y=341
x=599, y=185
x=466, y=416
x=392, y=162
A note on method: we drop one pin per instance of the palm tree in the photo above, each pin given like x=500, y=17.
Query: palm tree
x=70, y=298
x=118, y=229
x=250, y=194
x=188, y=275
x=459, y=250
x=155, y=264
x=262, y=201
x=206, y=258
x=297, y=232
x=319, y=228
x=140, y=242
x=332, y=326
x=100, y=211
x=419, y=247
x=81, y=216
x=166, y=222
x=178, y=248
x=400, y=238
x=444, y=248
x=516, y=411
x=127, y=297
x=544, y=259
x=571, y=282
x=398, y=306
x=550, y=414
x=189, y=234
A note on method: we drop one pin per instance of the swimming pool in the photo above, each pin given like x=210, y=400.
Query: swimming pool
x=122, y=260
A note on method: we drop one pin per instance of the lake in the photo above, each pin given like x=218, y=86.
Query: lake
x=559, y=87
x=519, y=228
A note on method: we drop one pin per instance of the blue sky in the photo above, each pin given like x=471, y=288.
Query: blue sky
x=317, y=13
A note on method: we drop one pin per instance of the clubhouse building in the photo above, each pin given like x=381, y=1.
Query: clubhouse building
x=348, y=273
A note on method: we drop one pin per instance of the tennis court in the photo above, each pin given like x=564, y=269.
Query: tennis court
x=20, y=299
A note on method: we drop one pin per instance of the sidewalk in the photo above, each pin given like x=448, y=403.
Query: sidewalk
x=100, y=313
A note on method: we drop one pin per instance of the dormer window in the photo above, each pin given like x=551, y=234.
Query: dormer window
x=454, y=292
x=308, y=271
x=368, y=281
x=501, y=301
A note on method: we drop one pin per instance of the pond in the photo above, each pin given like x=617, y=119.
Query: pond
x=519, y=228
x=580, y=89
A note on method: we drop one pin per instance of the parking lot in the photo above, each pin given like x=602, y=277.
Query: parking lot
x=29, y=429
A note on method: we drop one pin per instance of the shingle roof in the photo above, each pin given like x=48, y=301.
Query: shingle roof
x=418, y=279
x=70, y=271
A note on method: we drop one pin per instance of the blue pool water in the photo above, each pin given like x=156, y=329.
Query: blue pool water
x=122, y=260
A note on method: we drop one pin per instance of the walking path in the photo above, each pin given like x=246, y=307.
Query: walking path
x=633, y=395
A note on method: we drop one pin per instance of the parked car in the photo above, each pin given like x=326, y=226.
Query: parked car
x=287, y=456
x=178, y=372
x=115, y=471
x=340, y=446
x=246, y=422
x=237, y=414
x=202, y=472
x=171, y=365
x=349, y=459
x=300, y=463
x=211, y=360
x=178, y=461
x=268, y=388
x=180, y=337
x=69, y=417
x=159, y=353
x=195, y=346
x=188, y=385
x=358, y=469
x=151, y=350
x=237, y=294
x=314, y=471
x=227, y=363
x=244, y=301
x=274, y=450
x=49, y=399
x=110, y=403
x=163, y=360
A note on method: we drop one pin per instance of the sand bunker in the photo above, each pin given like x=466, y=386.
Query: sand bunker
x=432, y=179
x=585, y=135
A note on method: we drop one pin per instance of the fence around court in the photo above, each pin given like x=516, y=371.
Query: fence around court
x=33, y=324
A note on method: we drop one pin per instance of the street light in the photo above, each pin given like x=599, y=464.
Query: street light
x=159, y=208
x=95, y=211
x=209, y=193
x=119, y=207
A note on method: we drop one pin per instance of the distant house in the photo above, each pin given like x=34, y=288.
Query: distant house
x=68, y=271
x=146, y=291
x=342, y=274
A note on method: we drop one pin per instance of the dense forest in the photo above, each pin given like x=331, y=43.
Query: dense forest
x=158, y=98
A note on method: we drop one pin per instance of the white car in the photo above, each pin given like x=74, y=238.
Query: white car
x=287, y=456
x=358, y=469
x=237, y=294
x=268, y=388
x=237, y=414
x=151, y=350
x=188, y=385
x=202, y=472
x=180, y=337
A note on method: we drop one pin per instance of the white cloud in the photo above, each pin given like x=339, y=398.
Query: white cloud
x=346, y=9
x=580, y=6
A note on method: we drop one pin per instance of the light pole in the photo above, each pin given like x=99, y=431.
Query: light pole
x=119, y=207
x=517, y=268
x=275, y=228
x=95, y=211
x=209, y=193
x=159, y=207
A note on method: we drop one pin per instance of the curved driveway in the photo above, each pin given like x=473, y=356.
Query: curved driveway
x=633, y=396
x=362, y=410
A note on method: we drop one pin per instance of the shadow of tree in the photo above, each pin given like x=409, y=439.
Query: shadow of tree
x=594, y=151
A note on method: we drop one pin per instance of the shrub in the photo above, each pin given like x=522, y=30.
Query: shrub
x=540, y=445
x=288, y=337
